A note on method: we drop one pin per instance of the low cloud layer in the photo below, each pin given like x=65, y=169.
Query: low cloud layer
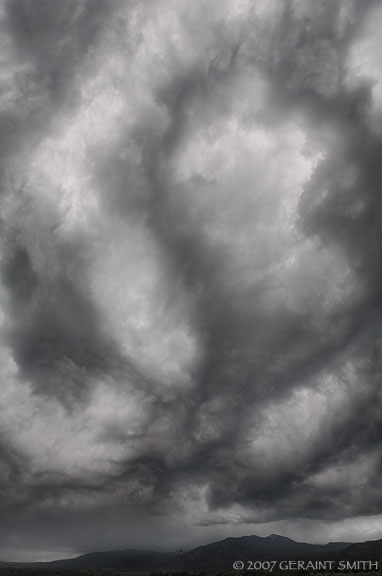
x=190, y=271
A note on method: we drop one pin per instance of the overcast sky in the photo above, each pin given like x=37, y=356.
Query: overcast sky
x=190, y=272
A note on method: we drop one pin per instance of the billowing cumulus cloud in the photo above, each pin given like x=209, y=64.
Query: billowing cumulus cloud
x=190, y=272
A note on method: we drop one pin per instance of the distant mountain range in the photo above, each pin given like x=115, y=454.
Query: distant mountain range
x=216, y=556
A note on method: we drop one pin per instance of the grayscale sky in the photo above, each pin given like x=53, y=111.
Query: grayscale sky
x=190, y=296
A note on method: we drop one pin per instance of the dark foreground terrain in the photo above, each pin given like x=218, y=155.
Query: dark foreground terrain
x=13, y=571
x=274, y=555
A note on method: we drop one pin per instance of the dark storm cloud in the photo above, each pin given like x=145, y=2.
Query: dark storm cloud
x=44, y=44
x=55, y=334
x=289, y=340
x=55, y=339
x=225, y=355
x=52, y=323
x=55, y=37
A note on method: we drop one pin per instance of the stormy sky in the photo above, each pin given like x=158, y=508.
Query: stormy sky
x=190, y=258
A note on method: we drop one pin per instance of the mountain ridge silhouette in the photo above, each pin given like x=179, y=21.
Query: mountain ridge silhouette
x=218, y=555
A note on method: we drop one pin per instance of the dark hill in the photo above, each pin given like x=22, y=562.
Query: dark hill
x=371, y=550
x=139, y=560
x=221, y=555
x=118, y=560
